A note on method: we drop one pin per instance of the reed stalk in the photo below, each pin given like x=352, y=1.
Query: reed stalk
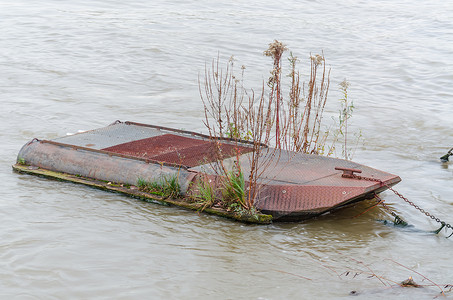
x=264, y=119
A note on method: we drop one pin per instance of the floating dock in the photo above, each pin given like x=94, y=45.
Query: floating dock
x=296, y=187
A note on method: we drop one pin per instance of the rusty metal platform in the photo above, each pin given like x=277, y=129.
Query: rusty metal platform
x=293, y=187
x=176, y=149
x=299, y=186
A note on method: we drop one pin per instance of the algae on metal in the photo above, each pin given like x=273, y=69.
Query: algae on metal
x=136, y=193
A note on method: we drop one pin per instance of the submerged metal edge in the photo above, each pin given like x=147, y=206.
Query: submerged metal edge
x=256, y=219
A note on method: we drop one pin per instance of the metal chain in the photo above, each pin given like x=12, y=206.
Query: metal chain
x=398, y=220
x=407, y=200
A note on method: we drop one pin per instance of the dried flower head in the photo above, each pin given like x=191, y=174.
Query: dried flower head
x=317, y=59
x=344, y=85
x=275, y=49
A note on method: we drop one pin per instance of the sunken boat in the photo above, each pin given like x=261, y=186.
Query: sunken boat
x=298, y=186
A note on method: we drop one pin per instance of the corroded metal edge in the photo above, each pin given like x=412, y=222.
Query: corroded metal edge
x=95, y=164
x=147, y=160
x=108, y=186
x=225, y=139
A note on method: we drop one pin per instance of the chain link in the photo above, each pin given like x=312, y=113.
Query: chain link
x=405, y=199
x=398, y=220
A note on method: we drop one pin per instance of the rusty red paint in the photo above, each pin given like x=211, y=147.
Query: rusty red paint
x=177, y=149
x=310, y=200
x=155, y=146
x=348, y=172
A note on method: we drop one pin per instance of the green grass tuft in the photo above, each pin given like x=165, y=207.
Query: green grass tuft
x=204, y=194
x=234, y=188
x=166, y=186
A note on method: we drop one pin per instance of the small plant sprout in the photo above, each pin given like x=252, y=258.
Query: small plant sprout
x=345, y=113
x=166, y=186
x=234, y=188
x=205, y=193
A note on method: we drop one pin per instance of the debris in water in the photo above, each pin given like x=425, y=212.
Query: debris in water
x=446, y=156
x=409, y=283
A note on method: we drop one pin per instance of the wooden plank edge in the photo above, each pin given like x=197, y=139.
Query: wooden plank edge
x=134, y=192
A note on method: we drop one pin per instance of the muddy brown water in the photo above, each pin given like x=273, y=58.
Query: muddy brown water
x=81, y=65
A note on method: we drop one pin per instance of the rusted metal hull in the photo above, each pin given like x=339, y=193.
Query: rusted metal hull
x=97, y=164
x=293, y=186
x=301, y=186
x=132, y=191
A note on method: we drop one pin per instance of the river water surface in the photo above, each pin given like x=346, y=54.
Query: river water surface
x=77, y=65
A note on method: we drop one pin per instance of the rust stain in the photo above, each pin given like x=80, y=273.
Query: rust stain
x=170, y=148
